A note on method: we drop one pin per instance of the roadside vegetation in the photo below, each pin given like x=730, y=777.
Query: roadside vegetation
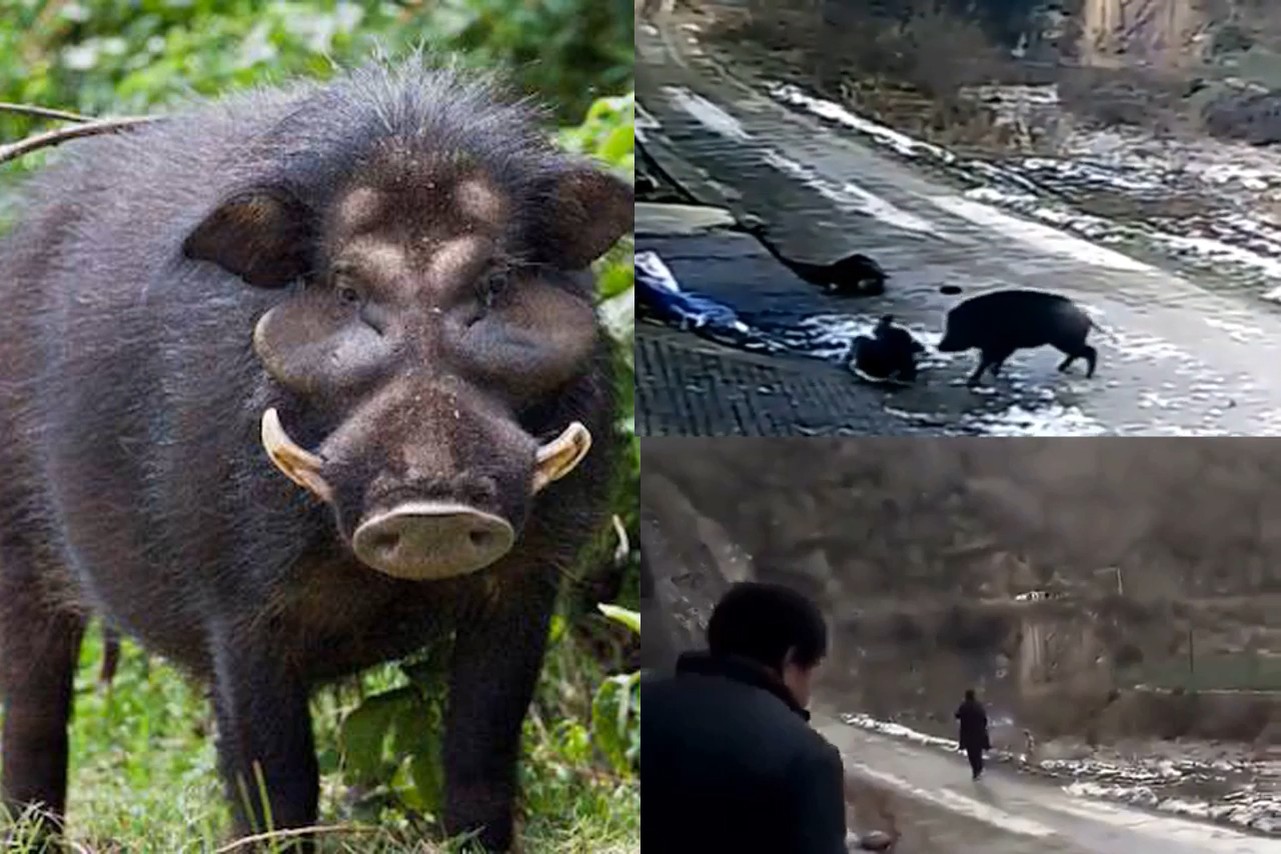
x=920, y=65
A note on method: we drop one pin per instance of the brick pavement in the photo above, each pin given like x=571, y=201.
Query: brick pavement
x=686, y=386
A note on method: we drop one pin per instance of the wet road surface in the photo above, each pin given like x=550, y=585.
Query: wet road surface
x=939, y=809
x=1187, y=359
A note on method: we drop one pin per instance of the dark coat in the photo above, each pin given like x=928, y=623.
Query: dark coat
x=973, y=728
x=730, y=763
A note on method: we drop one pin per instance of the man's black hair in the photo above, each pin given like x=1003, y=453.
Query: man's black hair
x=969, y=693
x=763, y=621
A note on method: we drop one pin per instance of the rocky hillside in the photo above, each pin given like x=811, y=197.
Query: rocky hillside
x=896, y=518
x=1056, y=573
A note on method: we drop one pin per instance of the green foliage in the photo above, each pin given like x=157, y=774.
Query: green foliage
x=608, y=133
x=119, y=56
x=616, y=707
x=543, y=39
x=628, y=618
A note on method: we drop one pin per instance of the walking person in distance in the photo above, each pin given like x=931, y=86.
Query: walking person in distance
x=973, y=735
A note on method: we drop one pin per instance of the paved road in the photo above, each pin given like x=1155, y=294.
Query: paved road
x=1189, y=359
x=689, y=387
x=940, y=809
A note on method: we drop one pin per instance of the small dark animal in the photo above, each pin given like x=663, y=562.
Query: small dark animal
x=394, y=266
x=853, y=275
x=1000, y=322
x=888, y=355
x=949, y=290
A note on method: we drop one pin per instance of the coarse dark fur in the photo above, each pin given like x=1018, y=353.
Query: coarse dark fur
x=999, y=322
x=134, y=483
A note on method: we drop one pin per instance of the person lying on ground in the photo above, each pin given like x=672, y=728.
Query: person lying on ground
x=888, y=355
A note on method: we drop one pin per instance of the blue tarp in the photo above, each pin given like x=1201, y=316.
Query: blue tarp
x=661, y=297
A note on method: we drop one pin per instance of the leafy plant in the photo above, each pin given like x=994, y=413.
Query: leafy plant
x=616, y=707
x=107, y=56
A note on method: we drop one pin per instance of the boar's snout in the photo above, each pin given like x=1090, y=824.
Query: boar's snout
x=428, y=536
x=432, y=540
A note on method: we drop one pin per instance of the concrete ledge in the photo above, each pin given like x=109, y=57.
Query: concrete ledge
x=679, y=220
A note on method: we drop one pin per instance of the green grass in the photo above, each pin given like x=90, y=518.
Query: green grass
x=143, y=769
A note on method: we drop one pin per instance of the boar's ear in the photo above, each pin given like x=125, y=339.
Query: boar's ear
x=590, y=210
x=260, y=235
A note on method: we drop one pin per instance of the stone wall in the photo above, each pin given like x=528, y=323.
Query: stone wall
x=1159, y=32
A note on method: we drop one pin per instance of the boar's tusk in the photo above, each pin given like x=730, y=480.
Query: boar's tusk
x=561, y=455
x=299, y=465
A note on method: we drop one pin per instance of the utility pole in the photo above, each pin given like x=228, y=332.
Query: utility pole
x=1191, y=657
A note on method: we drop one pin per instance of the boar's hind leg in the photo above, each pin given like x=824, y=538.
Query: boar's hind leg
x=1080, y=351
x=498, y=653
x=38, y=650
x=264, y=738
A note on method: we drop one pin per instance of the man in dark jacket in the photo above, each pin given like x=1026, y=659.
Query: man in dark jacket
x=973, y=736
x=729, y=761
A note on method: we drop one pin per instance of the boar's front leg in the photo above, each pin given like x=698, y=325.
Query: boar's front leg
x=498, y=654
x=38, y=650
x=264, y=736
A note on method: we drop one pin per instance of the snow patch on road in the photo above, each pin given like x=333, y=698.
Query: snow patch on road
x=1115, y=162
x=900, y=142
x=1210, y=839
x=849, y=195
x=644, y=122
x=1039, y=236
x=706, y=113
x=1205, y=251
x=1239, y=809
x=1018, y=420
x=1131, y=782
x=956, y=803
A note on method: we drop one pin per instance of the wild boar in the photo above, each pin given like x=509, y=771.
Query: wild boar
x=999, y=322
x=377, y=287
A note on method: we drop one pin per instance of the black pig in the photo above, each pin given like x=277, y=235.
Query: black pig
x=392, y=267
x=999, y=322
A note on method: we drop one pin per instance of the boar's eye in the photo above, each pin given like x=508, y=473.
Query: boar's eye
x=492, y=286
x=348, y=295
